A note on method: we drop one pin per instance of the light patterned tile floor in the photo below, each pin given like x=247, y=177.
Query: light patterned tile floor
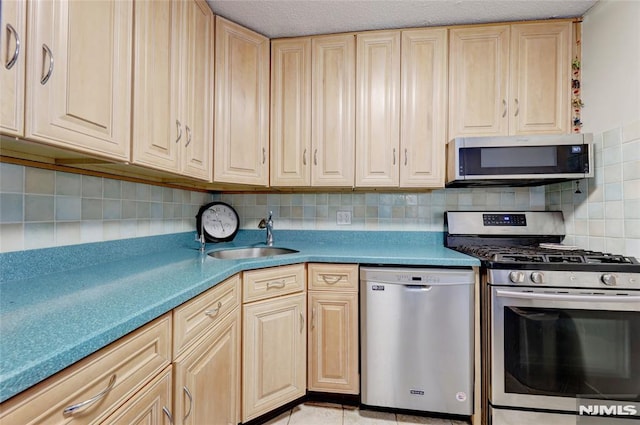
x=336, y=414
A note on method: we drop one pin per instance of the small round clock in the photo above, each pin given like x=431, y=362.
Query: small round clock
x=218, y=221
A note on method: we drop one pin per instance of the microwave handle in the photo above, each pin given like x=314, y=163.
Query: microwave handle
x=568, y=297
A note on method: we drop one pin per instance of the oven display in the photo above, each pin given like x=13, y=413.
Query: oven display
x=504, y=219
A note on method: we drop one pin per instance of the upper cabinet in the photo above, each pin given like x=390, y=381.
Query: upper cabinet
x=312, y=119
x=378, y=108
x=241, y=153
x=401, y=78
x=78, y=81
x=509, y=79
x=13, y=24
x=173, y=87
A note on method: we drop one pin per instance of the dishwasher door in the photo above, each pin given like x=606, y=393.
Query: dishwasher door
x=417, y=339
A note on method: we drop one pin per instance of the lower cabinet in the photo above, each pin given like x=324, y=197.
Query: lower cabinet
x=333, y=328
x=274, y=338
x=150, y=405
x=207, y=377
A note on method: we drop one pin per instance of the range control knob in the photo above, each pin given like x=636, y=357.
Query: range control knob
x=537, y=277
x=608, y=279
x=516, y=277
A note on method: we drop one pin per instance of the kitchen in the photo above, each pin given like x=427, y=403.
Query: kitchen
x=62, y=208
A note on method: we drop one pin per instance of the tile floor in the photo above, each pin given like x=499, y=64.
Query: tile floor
x=336, y=414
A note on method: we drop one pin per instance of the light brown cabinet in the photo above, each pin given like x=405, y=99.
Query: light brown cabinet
x=78, y=78
x=104, y=380
x=274, y=345
x=377, y=109
x=509, y=79
x=150, y=405
x=333, y=328
x=173, y=87
x=312, y=107
x=13, y=23
x=207, y=356
x=241, y=148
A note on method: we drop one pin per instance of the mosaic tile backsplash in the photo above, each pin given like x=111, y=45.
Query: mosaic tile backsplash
x=42, y=208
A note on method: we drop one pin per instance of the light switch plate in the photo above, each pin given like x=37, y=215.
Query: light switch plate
x=343, y=217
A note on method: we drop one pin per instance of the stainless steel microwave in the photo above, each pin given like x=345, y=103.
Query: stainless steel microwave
x=519, y=160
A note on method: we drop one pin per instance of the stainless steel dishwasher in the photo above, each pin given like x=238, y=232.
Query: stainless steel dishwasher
x=416, y=330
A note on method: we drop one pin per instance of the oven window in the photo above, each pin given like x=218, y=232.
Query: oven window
x=567, y=352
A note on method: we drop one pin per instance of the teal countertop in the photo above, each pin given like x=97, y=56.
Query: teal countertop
x=58, y=305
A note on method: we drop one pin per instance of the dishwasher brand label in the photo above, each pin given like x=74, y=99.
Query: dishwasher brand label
x=461, y=396
x=416, y=392
x=377, y=287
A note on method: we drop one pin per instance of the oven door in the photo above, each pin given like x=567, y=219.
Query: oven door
x=549, y=348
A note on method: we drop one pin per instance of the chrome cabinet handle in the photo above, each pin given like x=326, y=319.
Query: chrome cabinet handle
x=301, y=322
x=333, y=281
x=394, y=156
x=178, y=130
x=12, y=31
x=186, y=391
x=313, y=318
x=280, y=284
x=304, y=157
x=264, y=155
x=517, y=108
x=168, y=413
x=315, y=157
x=504, y=108
x=406, y=157
x=188, y=135
x=46, y=51
x=74, y=408
x=214, y=311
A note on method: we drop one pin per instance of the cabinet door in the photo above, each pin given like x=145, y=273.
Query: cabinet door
x=333, y=118
x=274, y=354
x=157, y=129
x=478, y=78
x=540, y=75
x=290, y=112
x=333, y=342
x=149, y=406
x=424, y=103
x=13, y=24
x=241, y=151
x=197, y=158
x=207, y=377
x=378, y=109
x=79, y=75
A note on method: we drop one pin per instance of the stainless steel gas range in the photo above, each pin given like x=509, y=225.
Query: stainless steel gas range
x=560, y=325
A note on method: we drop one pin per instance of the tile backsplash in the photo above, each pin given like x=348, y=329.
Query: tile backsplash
x=42, y=208
x=604, y=215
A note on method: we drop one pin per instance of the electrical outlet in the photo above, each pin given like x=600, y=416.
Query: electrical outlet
x=343, y=217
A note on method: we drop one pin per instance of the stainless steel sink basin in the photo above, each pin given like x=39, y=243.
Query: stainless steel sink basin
x=238, y=253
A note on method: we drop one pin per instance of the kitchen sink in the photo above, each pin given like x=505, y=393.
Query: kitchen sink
x=255, y=252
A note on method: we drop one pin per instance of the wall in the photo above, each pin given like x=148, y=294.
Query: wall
x=377, y=210
x=42, y=208
x=606, y=215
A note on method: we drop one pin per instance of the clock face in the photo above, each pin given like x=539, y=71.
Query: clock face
x=219, y=221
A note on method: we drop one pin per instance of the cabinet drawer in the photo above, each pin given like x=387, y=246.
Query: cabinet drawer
x=192, y=318
x=272, y=282
x=324, y=276
x=124, y=366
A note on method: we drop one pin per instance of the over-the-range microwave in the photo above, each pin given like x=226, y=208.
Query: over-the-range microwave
x=519, y=160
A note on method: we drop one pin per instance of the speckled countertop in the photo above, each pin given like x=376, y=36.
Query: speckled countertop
x=58, y=305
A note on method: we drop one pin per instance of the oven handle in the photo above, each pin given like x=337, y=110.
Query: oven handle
x=567, y=297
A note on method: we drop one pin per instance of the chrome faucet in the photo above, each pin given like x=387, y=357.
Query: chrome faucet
x=267, y=224
x=203, y=241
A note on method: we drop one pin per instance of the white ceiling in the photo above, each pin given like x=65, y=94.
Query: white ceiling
x=288, y=18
